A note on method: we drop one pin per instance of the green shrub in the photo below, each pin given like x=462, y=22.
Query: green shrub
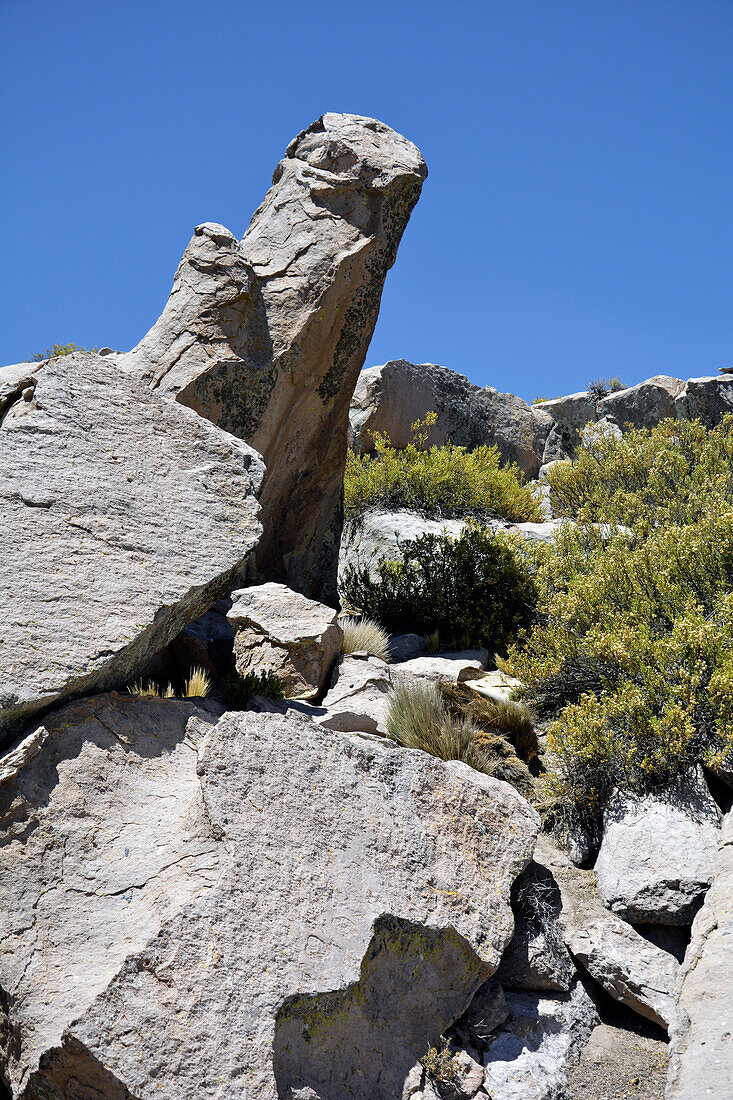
x=673, y=473
x=56, y=350
x=437, y=481
x=441, y=1064
x=475, y=590
x=631, y=653
x=239, y=689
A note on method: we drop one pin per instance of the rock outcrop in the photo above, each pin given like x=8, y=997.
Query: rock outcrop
x=390, y=398
x=266, y=336
x=303, y=887
x=124, y=516
x=283, y=632
x=701, y=1033
x=657, y=854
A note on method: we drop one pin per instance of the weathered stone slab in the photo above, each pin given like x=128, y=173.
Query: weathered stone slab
x=701, y=1031
x=123, y=518
x=319, y=884
x=266, y=337
x=657, y=854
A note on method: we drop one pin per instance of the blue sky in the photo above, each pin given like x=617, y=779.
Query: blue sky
x=576, y=221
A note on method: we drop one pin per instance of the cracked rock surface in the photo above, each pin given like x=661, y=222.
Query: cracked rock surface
x=123, y=517
x=266, y=337
x=241, y=910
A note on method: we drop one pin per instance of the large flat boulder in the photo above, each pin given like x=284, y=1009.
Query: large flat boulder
x=261, y=908
x=390, y=398
x=643, y=405
x=124, y=517
x=706, y=399
x=701, y=1033
x=266, y=336
x=656, y=858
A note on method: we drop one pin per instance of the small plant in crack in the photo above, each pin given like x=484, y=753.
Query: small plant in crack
x=440, y=1063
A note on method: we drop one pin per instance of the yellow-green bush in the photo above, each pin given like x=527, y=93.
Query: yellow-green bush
x=631, y=654
x=437, y=481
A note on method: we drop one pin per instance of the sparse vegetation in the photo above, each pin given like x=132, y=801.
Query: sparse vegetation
x=151, y=687
x=601, y=387
x=58, y=349
x=440, y=1063
x=432, y=641
x=364, y=636
x=238, y=689
x=436, y=481
x=420, y=716
x=475, y=590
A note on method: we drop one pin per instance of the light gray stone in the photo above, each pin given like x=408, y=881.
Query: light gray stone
x=630, y=969
x=452, y=668
x=123, y=518
x=280, y=631
x=358, y=699
x=266, y=336
x=319, y=884
x=607, y=428
x=105, y=835
x=657, y=854
x=701, y=1032
x=388, y=399
x=531, y=1057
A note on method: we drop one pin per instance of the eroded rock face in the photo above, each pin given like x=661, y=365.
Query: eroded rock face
x=304, y=888
x=266, y=337
x=390, y=398
x=701, y=1032
x=123, y=517
x=280, y=631
x=657, y=854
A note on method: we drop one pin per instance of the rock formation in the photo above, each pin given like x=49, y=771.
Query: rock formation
x=124, y=516
x=266, y=337
x=390, y=398
x=256, y=902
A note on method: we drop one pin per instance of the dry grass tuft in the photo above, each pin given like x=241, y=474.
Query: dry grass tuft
x=432, y=641
x=140, y=687
x=364, y=635
x=198, y=684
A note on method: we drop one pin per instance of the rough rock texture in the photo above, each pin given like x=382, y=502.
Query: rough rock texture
x=706, y=399
x=656, y=857
x=531, y=1057
x=378, y=534
x=451, y=668
x=701, y=1033
x=280, y=631
x=536, y=957
x=303, y=888
x=358, y=697
x=390, y=398
x=123, y=517
x=632, y=970
x=403, y=647
x=266, y=337
x=105, y=835
x=495, y=685
x=643, y=405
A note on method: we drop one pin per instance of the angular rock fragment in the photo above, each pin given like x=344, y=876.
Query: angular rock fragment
x=312, y=903
x=358, y=698
x=280, y=631
x=701, y=1031
x=123, y=518
x=531, y=1057
x=643, y=405
x=706, y=399
x=630, y=969
x=657, y=854
x=266, y=337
